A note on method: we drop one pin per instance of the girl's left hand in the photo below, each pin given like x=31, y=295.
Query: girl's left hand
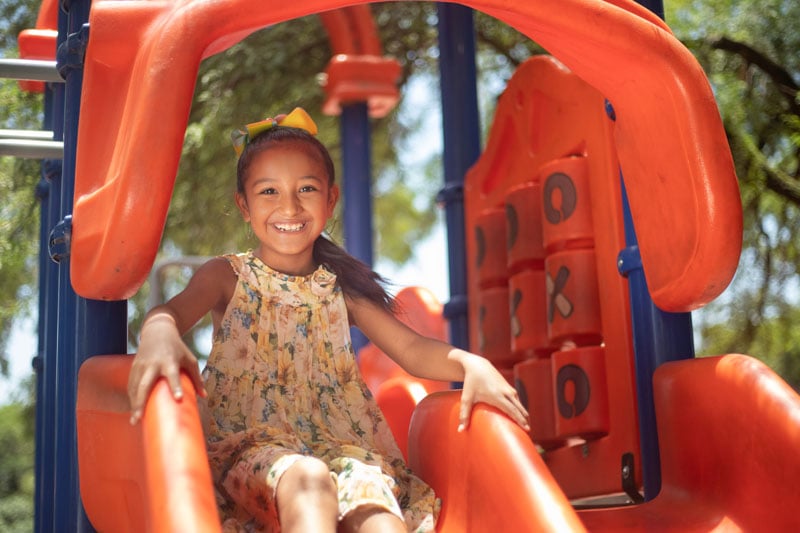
x=483, y=383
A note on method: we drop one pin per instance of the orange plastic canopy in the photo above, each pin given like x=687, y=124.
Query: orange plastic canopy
x=141, y=65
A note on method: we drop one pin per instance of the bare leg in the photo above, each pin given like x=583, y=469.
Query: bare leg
x=370, y=519
x=307, y=499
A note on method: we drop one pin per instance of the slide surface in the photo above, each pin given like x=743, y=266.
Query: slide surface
x=145, y=478
x=729, y=433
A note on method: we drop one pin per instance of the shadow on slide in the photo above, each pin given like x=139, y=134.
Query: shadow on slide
x=729, y=434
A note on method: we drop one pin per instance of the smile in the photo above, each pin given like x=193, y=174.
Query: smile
x=290, y=227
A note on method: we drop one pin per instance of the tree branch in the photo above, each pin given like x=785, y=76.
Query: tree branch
x=779, y=75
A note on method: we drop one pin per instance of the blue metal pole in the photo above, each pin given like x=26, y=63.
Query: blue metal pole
x=461, y=127
x=46, y=364
x=658, y=337
x=85, y=327
x=357, y=189
x=49, y=194
x=357, y=182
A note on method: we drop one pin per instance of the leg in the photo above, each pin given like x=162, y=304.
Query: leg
x=372, y=519
x=306, y=498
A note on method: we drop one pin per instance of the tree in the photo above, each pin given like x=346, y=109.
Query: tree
x=19, y=212
x=749, y=51
x=16, y=468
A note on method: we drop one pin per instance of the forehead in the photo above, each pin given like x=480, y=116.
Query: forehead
x=288, y=156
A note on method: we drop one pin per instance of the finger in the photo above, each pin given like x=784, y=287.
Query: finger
x=465, y=411
x=518, y=412
x=173, y=375
x=138, y=389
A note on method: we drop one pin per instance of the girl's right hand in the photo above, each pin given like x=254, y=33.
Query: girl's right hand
x=162, y=353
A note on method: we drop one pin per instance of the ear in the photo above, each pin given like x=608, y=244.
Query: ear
x=241, y=203
x=333, y=197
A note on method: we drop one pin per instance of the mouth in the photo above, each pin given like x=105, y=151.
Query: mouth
x=290, y=228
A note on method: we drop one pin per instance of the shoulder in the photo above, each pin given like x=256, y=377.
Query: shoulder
x=217, y=278
x=219, y=268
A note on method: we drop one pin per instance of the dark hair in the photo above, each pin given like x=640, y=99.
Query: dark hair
x=355, y=278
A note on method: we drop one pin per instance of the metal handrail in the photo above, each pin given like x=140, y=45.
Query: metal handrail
x=30, y=69
x=32, y=149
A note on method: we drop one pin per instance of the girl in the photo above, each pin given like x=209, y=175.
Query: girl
x=295, y=440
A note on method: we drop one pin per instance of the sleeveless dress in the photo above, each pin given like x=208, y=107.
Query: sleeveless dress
x=283, y=383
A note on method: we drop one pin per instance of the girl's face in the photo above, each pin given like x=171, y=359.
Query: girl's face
x=287, y=200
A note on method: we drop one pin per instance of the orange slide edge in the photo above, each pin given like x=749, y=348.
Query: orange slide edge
x=150, y=477
x=729, y=431
x=490, y=476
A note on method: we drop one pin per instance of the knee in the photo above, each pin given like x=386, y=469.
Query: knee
x=308, y=475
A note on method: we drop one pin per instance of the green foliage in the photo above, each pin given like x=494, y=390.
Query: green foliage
x=19, y=217
x=16, y=467
x=749, y=51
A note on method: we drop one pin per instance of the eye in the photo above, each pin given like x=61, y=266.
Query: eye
x=268, y=190
x=308, y=188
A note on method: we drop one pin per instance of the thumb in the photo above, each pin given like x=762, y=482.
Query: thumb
x=464, y=412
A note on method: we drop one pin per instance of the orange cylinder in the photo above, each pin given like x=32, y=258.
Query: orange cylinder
x=573, y=304
x=524, y=227
x=493, y=327
x=580, y=392
x=490, y=248
x=533, y=380
x=528, y=314
x=566, y=205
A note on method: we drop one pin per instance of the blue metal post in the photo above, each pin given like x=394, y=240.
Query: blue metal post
x=658, y=337
x=357, y=189
x=49, y=193
x=85, y=327
x=461, y=127
x=46, y=365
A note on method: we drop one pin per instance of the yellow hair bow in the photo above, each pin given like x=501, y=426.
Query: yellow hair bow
x=298, y=118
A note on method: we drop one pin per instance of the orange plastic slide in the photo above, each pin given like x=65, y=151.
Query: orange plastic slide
x=490, y=477
x=145, y=478
x=729, y=435
x=664, y=108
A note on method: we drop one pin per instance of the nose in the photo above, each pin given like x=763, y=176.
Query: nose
x=290, y=204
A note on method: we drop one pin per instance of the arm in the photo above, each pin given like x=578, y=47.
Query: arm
x=432, y=359
x=162, y=352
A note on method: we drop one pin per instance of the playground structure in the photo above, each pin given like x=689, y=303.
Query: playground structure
x=547, y=275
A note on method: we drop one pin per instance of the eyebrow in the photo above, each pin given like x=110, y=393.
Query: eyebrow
x=267, y=180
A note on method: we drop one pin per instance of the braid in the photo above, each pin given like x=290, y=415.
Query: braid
x=354, y=276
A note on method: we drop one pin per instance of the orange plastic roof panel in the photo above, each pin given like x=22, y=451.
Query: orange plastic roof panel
x=670, y=138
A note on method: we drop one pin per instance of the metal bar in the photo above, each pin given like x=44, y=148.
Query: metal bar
x=29, y=69
x=44, y=507
x=658, y=337
x=461, y=129
x=32, y=149
x=32, y=135
x=85, y=327
x=357, y=190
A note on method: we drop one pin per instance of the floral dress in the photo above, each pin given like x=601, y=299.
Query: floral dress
x=282, y=384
